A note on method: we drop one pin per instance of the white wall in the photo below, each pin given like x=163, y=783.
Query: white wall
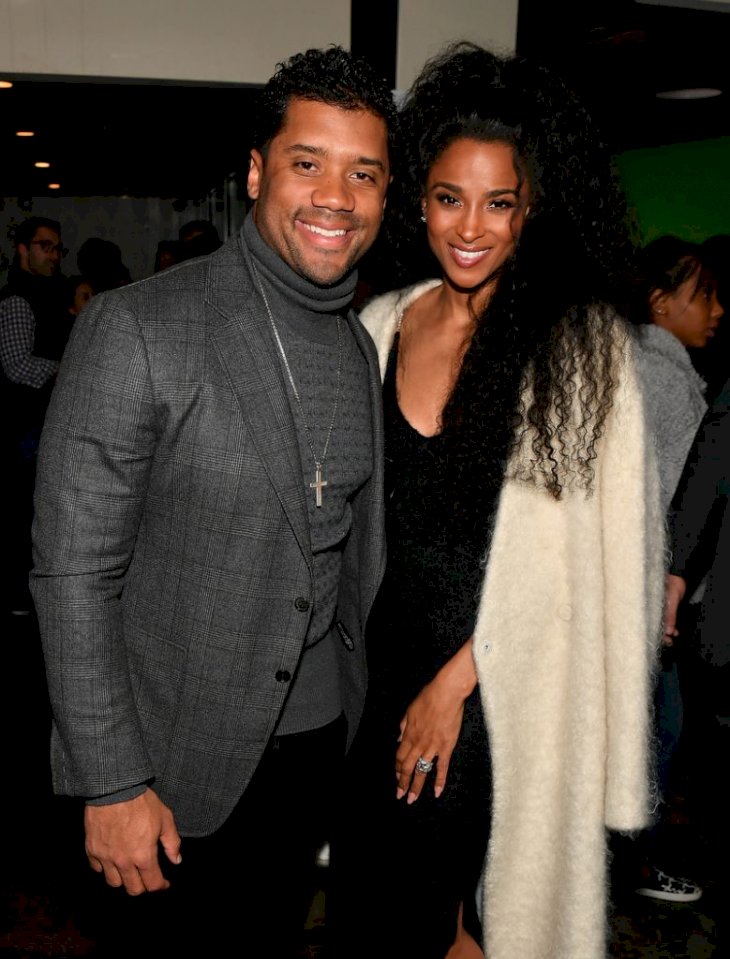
x=208, y=40
x=424, y=26
x=234, y=41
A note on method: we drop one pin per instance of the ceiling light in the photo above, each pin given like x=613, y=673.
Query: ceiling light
x=5, y=84
x=716, y=5
x=689, y=93
x=42, y=165
x=24, y=133
x=54, y=186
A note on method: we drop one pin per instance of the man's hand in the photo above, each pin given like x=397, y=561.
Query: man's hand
x=675, y=589
x=121, y=842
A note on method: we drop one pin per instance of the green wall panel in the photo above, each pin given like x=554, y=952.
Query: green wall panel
x=682, y=189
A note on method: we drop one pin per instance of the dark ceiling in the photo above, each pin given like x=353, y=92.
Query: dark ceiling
x=621, y=53
x=120, y=138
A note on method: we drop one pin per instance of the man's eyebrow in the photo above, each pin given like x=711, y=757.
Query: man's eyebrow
x=322, y=152
x=306, y=148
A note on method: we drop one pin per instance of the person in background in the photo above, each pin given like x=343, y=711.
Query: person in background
x=700, y=568
x=511, y=645
x=32, y=317
x=167, y=254
x=197, y=238
x=77, y=293
x=678, y=310
x=209, y=540
x=100, y=262
x=80, y=291
x=713, y=364
x=716, y=254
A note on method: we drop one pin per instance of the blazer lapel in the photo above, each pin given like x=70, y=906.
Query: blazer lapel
x=248, y=354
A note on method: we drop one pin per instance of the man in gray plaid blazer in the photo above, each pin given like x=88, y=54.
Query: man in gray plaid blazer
x=209, y=536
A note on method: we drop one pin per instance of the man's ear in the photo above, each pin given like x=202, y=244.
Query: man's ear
x=255, y=174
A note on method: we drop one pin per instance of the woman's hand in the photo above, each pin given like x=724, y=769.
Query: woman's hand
x=430, y=728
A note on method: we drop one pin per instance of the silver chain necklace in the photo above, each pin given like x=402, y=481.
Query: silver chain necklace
x=319, y=481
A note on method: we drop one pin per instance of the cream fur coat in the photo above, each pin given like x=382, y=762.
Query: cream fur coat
x=565, y=645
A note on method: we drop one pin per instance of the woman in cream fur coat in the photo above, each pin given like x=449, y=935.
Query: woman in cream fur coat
x=516, y=437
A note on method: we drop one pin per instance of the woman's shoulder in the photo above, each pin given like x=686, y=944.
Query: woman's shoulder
x=392, y=305
x=381, y=316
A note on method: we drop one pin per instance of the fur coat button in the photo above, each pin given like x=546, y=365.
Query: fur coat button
x=565, y=612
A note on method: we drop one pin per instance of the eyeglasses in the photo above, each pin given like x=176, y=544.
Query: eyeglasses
x=48, y=245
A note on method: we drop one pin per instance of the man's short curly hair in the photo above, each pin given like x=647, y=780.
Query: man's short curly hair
x=332, y=76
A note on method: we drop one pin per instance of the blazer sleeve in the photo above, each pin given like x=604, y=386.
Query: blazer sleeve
x=96, y=451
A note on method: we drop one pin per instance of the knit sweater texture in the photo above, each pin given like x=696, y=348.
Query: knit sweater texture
x=675, y=397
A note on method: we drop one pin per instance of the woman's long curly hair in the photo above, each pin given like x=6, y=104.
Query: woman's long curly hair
x=539, y=369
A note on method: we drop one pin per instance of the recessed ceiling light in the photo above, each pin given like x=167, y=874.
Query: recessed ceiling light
x=54, y=186
x=690, y=93
x=5, y=84
x=42, y=165
x=24, y=133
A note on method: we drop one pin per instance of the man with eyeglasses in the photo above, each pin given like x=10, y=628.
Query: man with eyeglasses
x=33, y=331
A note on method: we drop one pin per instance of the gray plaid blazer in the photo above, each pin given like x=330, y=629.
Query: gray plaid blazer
x=172, y=563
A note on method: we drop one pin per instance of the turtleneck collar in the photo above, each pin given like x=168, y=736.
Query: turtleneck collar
x=318, y=299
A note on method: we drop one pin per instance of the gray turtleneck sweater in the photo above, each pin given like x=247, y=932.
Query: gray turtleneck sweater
x=306, y=316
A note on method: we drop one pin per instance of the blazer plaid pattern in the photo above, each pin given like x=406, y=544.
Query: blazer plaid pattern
x=172, y=564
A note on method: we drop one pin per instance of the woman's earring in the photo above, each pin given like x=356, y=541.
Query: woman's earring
x=423, y=218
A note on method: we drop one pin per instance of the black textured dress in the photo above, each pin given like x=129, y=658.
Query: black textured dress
x=405, y=869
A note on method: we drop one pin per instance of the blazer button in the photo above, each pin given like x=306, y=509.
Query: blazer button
x=301, y=604
x=283, y=675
